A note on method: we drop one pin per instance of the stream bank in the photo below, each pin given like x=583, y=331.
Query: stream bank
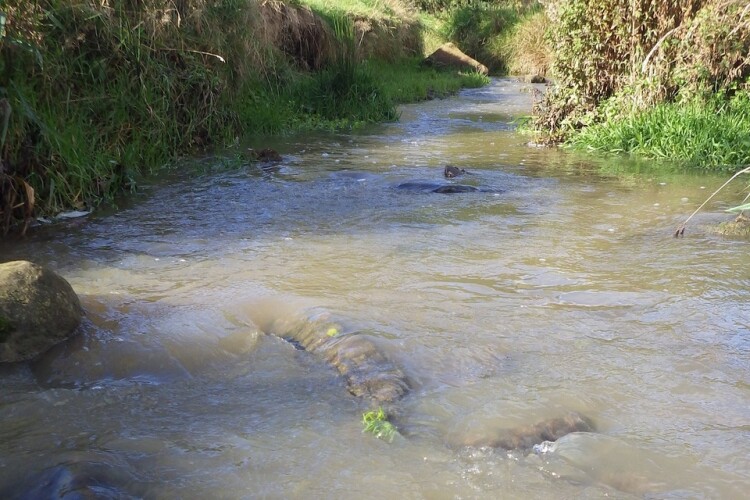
x=96, y=95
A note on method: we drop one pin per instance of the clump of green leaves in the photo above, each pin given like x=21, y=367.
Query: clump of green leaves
x=376, y=422
x=474, y=79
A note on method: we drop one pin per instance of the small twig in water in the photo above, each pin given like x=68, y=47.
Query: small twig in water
x=681, y=228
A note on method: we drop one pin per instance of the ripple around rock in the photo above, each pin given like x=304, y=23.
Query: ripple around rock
x=370, y=374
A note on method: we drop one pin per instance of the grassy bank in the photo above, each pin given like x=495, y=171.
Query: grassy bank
x=664, y=80
x=711, y=134
x=94, y=94
x=507, y=36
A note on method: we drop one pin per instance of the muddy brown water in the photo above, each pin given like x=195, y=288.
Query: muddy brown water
x=559, y=289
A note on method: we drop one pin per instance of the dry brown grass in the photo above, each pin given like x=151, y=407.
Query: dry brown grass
x=645, y=53
x=528, y=52
x=386, y=40
x=709, y=52
x=296, y=31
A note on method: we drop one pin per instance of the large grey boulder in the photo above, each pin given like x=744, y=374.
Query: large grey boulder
x=38, y=309
x=448, y=55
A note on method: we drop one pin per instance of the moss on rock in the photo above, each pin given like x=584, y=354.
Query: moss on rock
x=6, y=328
x=739, y=227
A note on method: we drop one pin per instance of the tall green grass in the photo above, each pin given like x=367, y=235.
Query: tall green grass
x=713, y=134
x=409, y=81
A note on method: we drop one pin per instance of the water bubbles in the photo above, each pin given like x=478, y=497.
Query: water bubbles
x=545, y=447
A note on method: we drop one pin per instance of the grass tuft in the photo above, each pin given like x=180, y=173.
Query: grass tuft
x=376, y=422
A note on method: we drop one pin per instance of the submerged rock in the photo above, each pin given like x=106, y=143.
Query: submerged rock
x=435, y=187
x=526, y=437
x=266, y=155
x=75, y=480
x=38, y=309
x=535, y=79
x=368, y=372
x=453, y=171
x=455, y=188
x=448, y=55
x=371, y=374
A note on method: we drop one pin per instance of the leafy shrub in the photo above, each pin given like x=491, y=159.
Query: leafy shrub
x=647, y=52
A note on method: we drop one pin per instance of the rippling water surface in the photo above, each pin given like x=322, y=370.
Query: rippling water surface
x=557, y=289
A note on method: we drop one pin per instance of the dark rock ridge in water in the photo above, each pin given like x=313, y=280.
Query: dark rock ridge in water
x=79, y=477
x=435, y=187
x=369, y=373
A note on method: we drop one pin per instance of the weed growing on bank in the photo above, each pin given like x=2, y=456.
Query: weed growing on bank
x=660, y=79
x=409, y=81
x=711, y=134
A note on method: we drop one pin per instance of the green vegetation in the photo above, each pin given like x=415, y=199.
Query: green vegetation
x=739, y=225
x=94, y=94
x=662, y=79
x=487, y=32
x=407, y=81
x=372, y=10
x=708, y=134
x=376, y=422
x=506, y=36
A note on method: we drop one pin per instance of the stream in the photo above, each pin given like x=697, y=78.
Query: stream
x=554, y=288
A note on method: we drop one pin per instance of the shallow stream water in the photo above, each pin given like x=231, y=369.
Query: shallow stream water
x=554, y=289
